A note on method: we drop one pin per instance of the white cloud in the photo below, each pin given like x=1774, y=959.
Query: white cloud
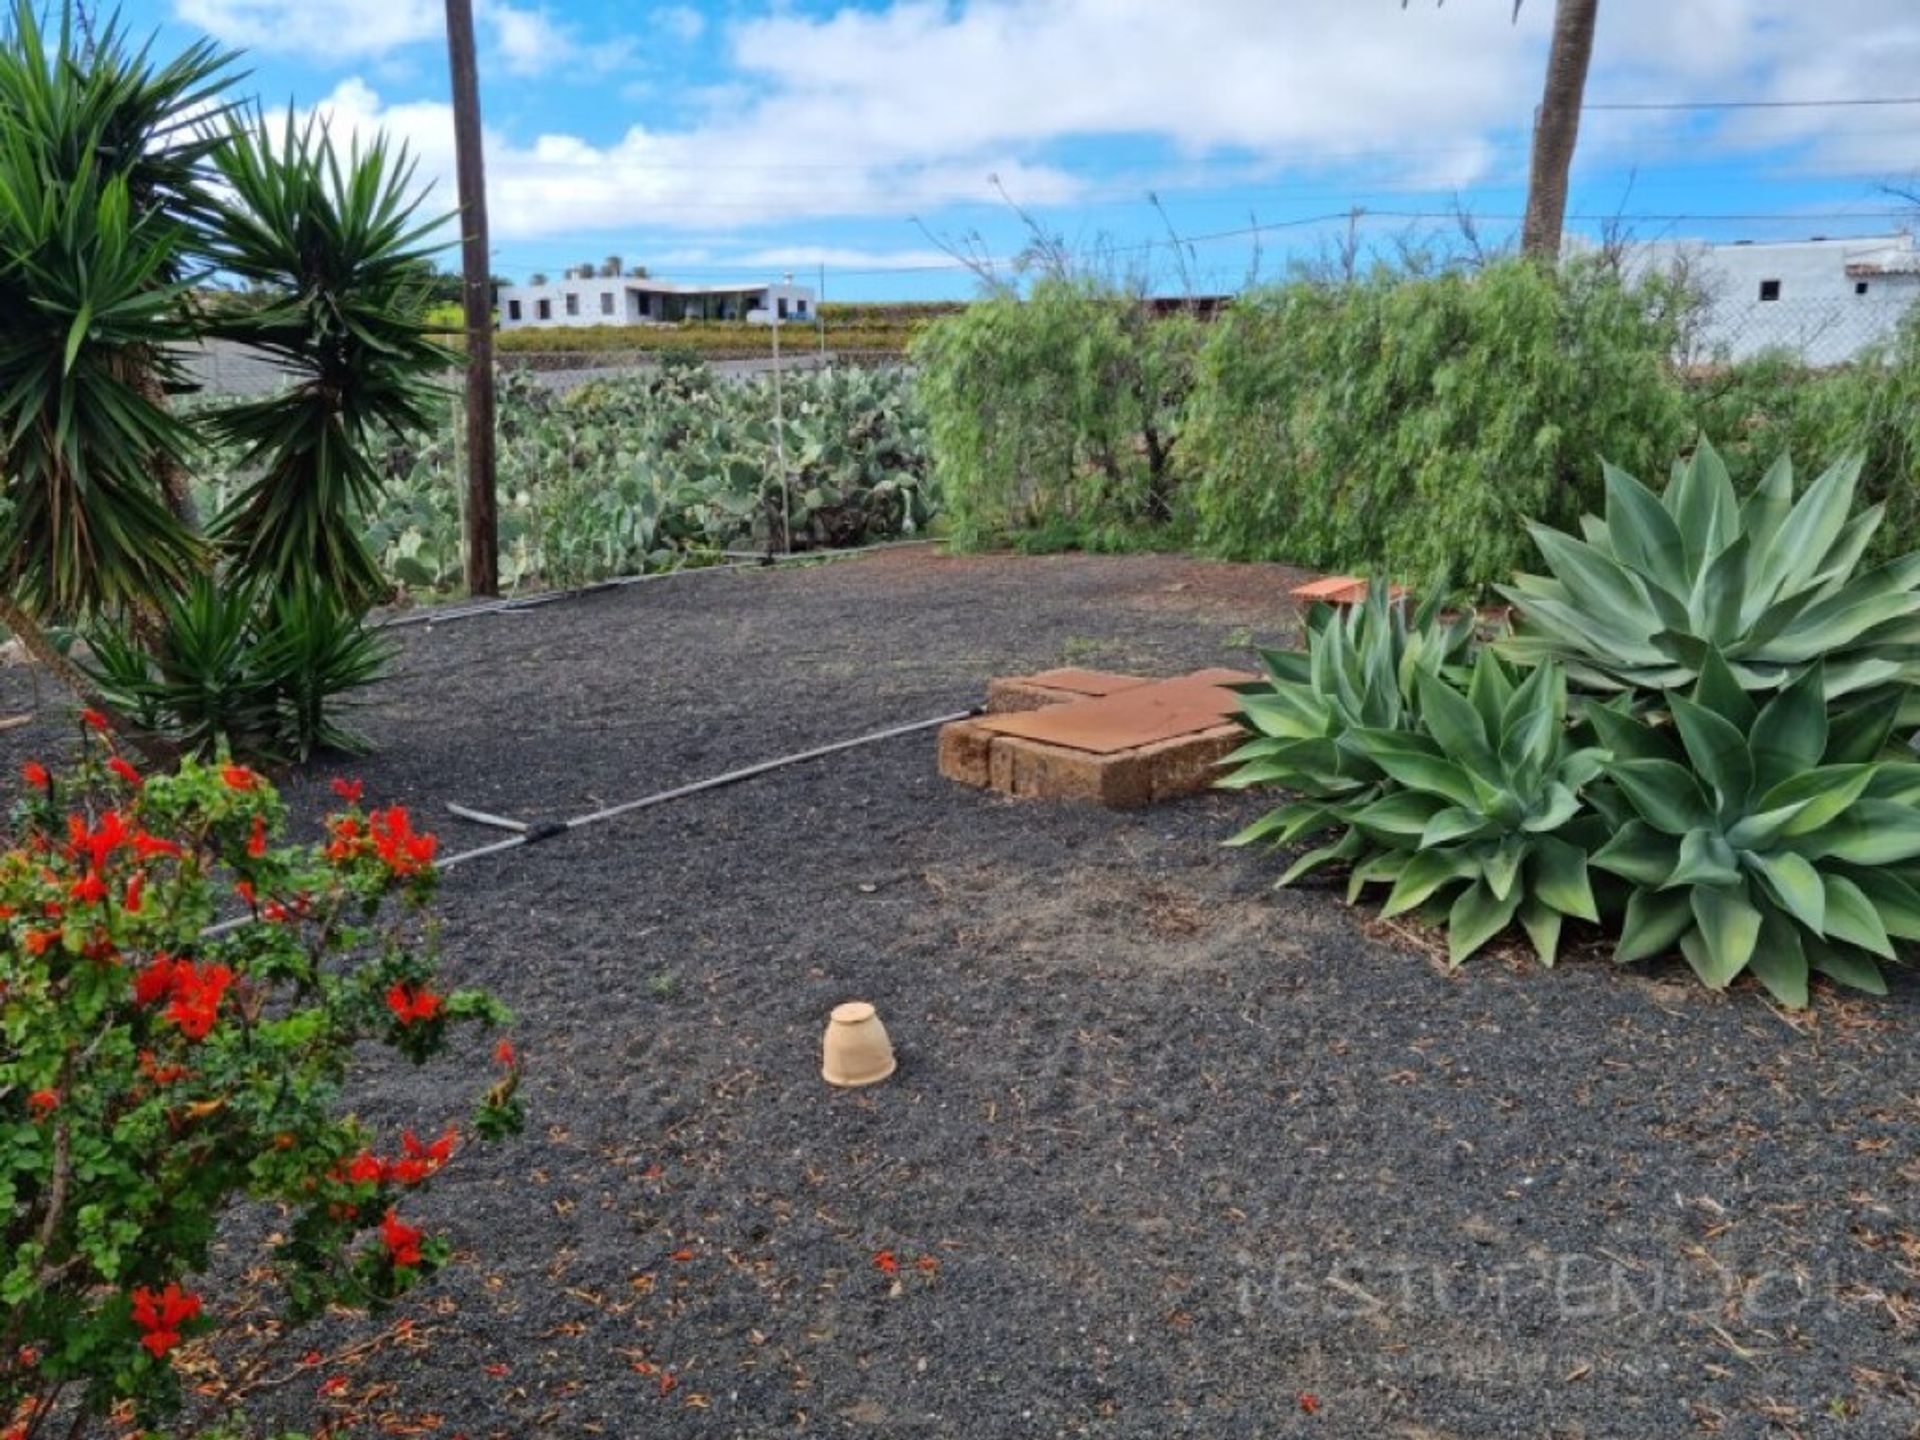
x=908, y=107
x=681, y=22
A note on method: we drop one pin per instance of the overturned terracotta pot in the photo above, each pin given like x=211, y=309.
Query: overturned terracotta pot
x=856, y=1050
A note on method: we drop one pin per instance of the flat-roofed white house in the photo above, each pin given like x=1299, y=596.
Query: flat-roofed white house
x=584, y=297
x=1822, y=300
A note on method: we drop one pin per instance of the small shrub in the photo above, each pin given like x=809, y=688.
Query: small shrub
x=157, y=1076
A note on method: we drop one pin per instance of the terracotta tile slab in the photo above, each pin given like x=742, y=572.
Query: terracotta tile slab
x=1133, y=718
x=1340, y=590
x=1085, y=682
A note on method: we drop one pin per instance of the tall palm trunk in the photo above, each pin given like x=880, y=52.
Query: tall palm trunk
x=1556, y=127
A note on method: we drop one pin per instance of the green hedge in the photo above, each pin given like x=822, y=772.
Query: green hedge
x=1409, y=426
x=1401, y=425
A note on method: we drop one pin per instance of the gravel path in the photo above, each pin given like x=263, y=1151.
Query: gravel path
x=1183, y=1156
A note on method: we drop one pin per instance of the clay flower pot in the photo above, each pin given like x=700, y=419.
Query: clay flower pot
x=856, y=1050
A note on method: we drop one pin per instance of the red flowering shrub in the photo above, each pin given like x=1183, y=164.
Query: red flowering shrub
x=156, y=1074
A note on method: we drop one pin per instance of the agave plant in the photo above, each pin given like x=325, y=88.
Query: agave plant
x=1768, y=838
x=1469, y=797
x=1771, y=584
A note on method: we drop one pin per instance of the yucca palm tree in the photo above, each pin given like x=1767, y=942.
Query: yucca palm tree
x=125, y=183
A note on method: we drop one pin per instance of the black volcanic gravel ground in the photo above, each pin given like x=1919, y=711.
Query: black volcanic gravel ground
x=1188, y=1156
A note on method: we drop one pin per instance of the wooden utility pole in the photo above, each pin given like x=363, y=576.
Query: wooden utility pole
x=483, y=512
x=1556, y=127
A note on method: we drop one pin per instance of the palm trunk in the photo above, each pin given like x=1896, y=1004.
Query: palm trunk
x=1556, y=128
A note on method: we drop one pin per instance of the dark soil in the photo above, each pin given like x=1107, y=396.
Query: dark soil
x=1185, y=1156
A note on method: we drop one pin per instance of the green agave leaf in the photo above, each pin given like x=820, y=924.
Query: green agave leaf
x=1719, y=691
x=1639, y=853
x=1663, y=793
x=1645, y=538
x=1476, y=917
x=1402, y=813
x=1347, y=847
x=1542, y=924
x=1500, y=865
x=1703, y=505
x=1598, y=579
x=1822, y=794
x=1425, y=873
x=1379, y=869
x=1556, y=807
x=1794, y=885
x=1457, y=822
x=1896, y=901
x=1851, y=918
x=1558, y=876
x=1779, y=962
x=1727, y=927
x=1844, y=966
x=1718, y=751
x=1628, y=738
x=1714, y=605
x=1767, y=508
x=1655, y=921
x=1488, y=692
x=1453, y=722
x=1705, y=859
x=1414, y=762
x=1286, y=824
x=1810, y=529
x=1872, y=832
x=1790, y=735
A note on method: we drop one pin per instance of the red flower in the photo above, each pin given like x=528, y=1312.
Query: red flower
x=402, y=1241
x=39, y=941
x=161, y=1315
x=420, y=1160
x=239, y=777
x=349, y=790
x=196, y=993
x=126, y=772
x=257, y=841
x=367, y=1169
x=885, y=1263
x=503, y=1053
x=405, y=850
x=927, y=1265
x=90, y=889
x=94, y=719
x=412, y=1002
x=43, y=1103
x=158, y=1073
x=135, y=886
x=147, y=846
x=35, y=774
x=1309, y=1402
x=100, y=842
x=244, y=889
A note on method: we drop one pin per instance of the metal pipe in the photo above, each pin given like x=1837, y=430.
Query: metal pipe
x=546, y=830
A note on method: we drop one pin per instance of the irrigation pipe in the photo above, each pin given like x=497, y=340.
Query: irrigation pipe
x=532, y=834
x=435, y=616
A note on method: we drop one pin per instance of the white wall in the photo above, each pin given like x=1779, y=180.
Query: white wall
x=587, y=294
x=1818, y=312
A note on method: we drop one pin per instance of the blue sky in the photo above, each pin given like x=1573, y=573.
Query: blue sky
x=740, y=138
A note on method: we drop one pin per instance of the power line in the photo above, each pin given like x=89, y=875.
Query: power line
x=1751, y=104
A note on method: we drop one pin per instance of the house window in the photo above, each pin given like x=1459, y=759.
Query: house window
x=513, y=309
x=573, y=304
x=1769, y=289
x=1859, y=287
x=544, y=309
x=800, y=308
x=606, y=302
x=783, y=307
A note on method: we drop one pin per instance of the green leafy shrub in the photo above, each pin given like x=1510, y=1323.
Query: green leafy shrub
x=1064, y=405
x=1773, y=585
x=254, y=670
x=157, y=1077
x=1408, y=425
x=1466, y=799
x=1764, y=838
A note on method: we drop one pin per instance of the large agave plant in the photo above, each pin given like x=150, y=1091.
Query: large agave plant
x=1765, y=838
x=1464, y=796
x=1772, y=584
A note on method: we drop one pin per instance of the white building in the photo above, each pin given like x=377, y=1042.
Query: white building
x=585, y=298
x=1821, y=300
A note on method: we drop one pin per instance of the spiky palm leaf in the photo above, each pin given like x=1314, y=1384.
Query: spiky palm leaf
x=335, y=239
